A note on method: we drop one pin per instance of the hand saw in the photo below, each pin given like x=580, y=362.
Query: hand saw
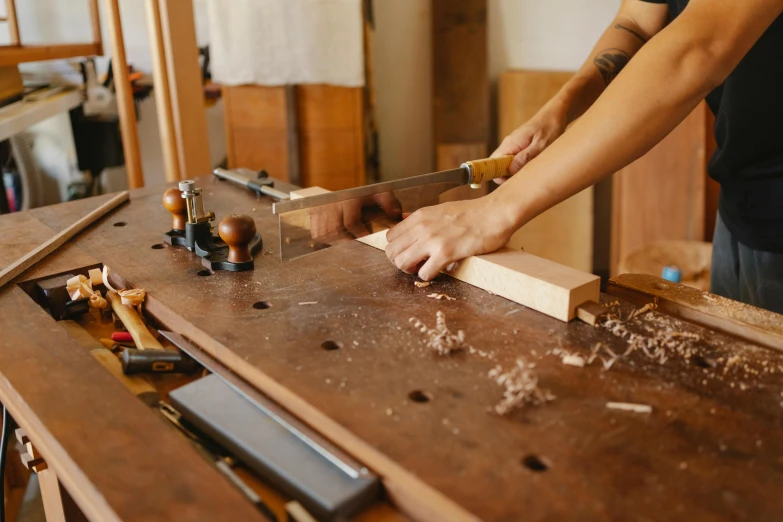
x=317, y=222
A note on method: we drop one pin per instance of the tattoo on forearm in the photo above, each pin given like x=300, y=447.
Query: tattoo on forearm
x=610, y=63
x=639, y=36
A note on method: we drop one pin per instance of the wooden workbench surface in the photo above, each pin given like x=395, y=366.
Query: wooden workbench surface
x=710, y=450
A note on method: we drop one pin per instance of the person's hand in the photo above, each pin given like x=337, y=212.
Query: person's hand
x=529, y=140
x=332, y=221
x=434, y=237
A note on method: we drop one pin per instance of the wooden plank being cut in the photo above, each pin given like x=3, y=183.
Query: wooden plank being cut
x=307, y=192
x=542, y=285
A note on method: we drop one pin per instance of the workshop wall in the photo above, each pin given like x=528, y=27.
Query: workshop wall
x=533, y=34
x=523, y=34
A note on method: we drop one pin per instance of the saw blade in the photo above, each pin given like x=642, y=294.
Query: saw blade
x=311, y=224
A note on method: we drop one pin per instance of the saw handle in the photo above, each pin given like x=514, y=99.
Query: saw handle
x=486, y=169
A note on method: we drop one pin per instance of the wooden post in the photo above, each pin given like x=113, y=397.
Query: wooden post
x=13, y=23
x=187, y=93
x=162, y=93
x=130, y=136
x=95, y=20
x=460, y=87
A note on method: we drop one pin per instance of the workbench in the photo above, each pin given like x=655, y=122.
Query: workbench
x=328, y=337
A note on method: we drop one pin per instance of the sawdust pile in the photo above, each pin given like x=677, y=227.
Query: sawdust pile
x=440, y=339
x=661, y=343
x=521, y=386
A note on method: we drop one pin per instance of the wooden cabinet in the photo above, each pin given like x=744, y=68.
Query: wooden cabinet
x=311, y=135
x=663, y=195
x=564, y=233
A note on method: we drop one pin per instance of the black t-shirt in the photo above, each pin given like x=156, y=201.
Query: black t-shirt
x=748, y=162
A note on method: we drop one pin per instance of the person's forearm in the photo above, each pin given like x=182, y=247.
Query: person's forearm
x=619, y=43
x=657, y=90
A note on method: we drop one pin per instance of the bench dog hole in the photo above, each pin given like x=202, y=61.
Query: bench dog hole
x=262, y=305
x=331, y=345
x=120, y=224
x=419, y=396
x=536, y=463
x=704, y=362
x=204, y=273
x=158, y=246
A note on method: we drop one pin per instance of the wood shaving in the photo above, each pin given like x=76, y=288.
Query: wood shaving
x=734, y=359
x=627, y=406
x=521, y=386
x=573, y=360
x=662, y=343
x=646, y=308
x=608, y=358
x=442, y=296
x=82, y=291
x=422, y=284
x=308, y=303
x=97, y=301
x=133, y=296
x=95, y=276
x=105, y=275
x=441, y=340
x=75, y=282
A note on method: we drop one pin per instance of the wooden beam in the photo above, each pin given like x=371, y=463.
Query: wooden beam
x=187, y=93
x=13, y=22
x=712, y=311
x=58, y=504
x=460, y=75
x=14, y=55
x=95, y=21
x=542, y=285
x=125, y=106
x=31, y=258
x=162, y=92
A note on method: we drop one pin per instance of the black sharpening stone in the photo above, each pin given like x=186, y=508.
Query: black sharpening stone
x=275, y=450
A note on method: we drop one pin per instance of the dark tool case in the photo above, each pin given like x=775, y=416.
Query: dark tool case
x=327, y=487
